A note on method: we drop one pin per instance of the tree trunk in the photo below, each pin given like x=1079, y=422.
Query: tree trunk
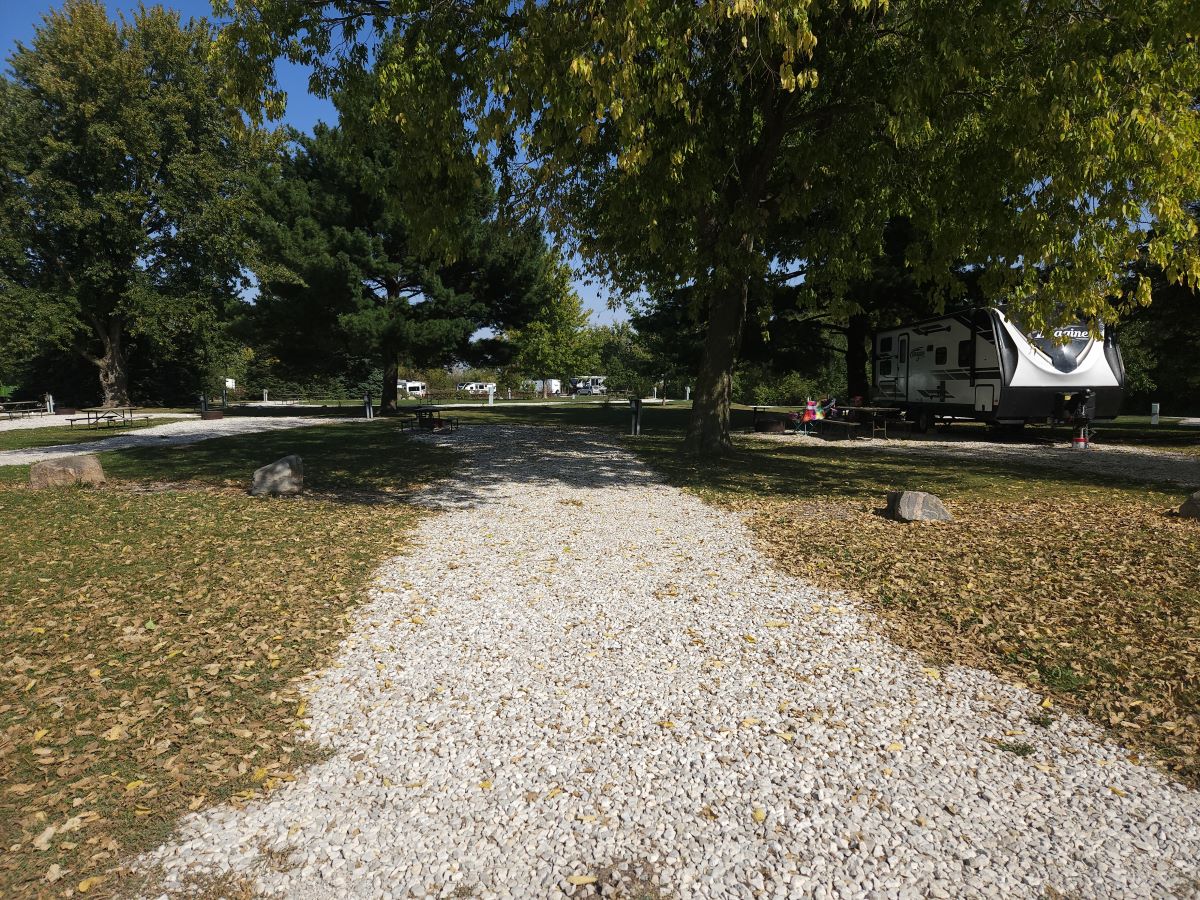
x=858, y=332
x=388, y=402
x=113, y=366
x=708, y=428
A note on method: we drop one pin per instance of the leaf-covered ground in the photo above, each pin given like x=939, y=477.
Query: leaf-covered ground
x=1088, y=591
x=154, y=637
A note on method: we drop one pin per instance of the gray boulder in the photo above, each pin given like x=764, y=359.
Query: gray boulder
x=1191, y=507
x=916, y=506
x=83, y=469
x=285, y=476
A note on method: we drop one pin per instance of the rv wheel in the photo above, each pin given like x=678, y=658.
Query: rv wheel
x=924, y=421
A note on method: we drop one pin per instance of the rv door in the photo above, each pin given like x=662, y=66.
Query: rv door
x=902, y=368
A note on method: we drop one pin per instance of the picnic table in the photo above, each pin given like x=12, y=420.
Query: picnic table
x=108, y=416
x=430, y=418
x=15, y=408
x=875, y=416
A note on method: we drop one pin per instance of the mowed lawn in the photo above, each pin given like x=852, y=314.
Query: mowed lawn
x=1085, y=589
x=155, y=628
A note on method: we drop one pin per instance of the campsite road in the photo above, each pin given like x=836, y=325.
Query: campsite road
x=188, y=432
x=581, y=676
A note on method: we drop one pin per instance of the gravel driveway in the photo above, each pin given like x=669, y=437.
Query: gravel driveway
x=581, y=673
x=187, y=432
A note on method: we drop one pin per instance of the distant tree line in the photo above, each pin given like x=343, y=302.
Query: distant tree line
x=784, y=181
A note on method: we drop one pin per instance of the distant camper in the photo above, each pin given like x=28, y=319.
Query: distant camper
x=477, y=387
x=548, y=387
x=980, y=364
x=413, y=388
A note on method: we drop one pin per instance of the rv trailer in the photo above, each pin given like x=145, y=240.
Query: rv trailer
x=980, y=364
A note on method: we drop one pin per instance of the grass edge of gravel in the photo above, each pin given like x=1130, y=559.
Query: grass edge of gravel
x=377, y=532
x=759, y=496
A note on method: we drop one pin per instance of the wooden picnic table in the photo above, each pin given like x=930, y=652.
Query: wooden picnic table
x=95, y=416
x=429, y=418
x=14, y=408
x=875, y=416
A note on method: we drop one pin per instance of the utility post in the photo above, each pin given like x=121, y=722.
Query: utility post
x=635, y=407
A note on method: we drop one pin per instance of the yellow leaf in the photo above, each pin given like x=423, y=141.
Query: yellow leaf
x=40, y=733
x=134, y=785
x=776, y=623
x=1118, y=792
x=894, y=746
x=554, y=793
x=749, y=638
x=88, y=883
x=116, y=733
x=666, y=723
x=750, y=720
x=932, y=673
x=486, y=784
x=1047, y=703
x=258, y=774
x=301, y=709
x=582, y=879
x=142, y=811
x=417, y=620
x=854, y=669
x=759, y=815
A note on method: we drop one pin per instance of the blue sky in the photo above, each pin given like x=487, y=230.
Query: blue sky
x=19, y=18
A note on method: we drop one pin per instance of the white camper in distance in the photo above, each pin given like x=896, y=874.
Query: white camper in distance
x=412, y=388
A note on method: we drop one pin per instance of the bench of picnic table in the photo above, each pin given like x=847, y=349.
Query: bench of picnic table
x=845, y=424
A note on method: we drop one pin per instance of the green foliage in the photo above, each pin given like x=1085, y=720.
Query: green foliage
x=557, y=342
x=1049, y=145
x=123, y=191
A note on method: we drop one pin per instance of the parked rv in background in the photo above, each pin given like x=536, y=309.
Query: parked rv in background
x=981, y=364
x=548, y=387
x=412, y=388
x=588, y=384
x=477, y=387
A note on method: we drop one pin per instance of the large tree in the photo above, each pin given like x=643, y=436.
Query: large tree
x=123, y=191
x=344, y=276
x=672, y=140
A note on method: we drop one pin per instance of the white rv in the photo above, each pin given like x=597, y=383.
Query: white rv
x=412, y=388
x=588, y=384
x=981, y=364
x=549, y=386
x=477, y=387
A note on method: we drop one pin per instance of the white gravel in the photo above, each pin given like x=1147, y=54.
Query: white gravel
x=187, y=432
x=57, y=421
x=1110, y=460
x=581, y=671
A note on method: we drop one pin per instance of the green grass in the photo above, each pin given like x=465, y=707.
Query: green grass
x=180, y=618
x=52, y=435
x=340, y=456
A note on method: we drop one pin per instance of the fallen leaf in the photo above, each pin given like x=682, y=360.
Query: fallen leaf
x=749, y=638
x=1118, y=791
x=776, y=623
x=42, y=841
x=54, y=873
x=88, y=883
x=582, y=879
x=759, y=815
x=486, y=784
x=894, y=746
x=116, y=733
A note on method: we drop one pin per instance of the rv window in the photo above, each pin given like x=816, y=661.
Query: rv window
x=885, y=345
x=939, y=356
x=885, y=367
x=964, y=353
